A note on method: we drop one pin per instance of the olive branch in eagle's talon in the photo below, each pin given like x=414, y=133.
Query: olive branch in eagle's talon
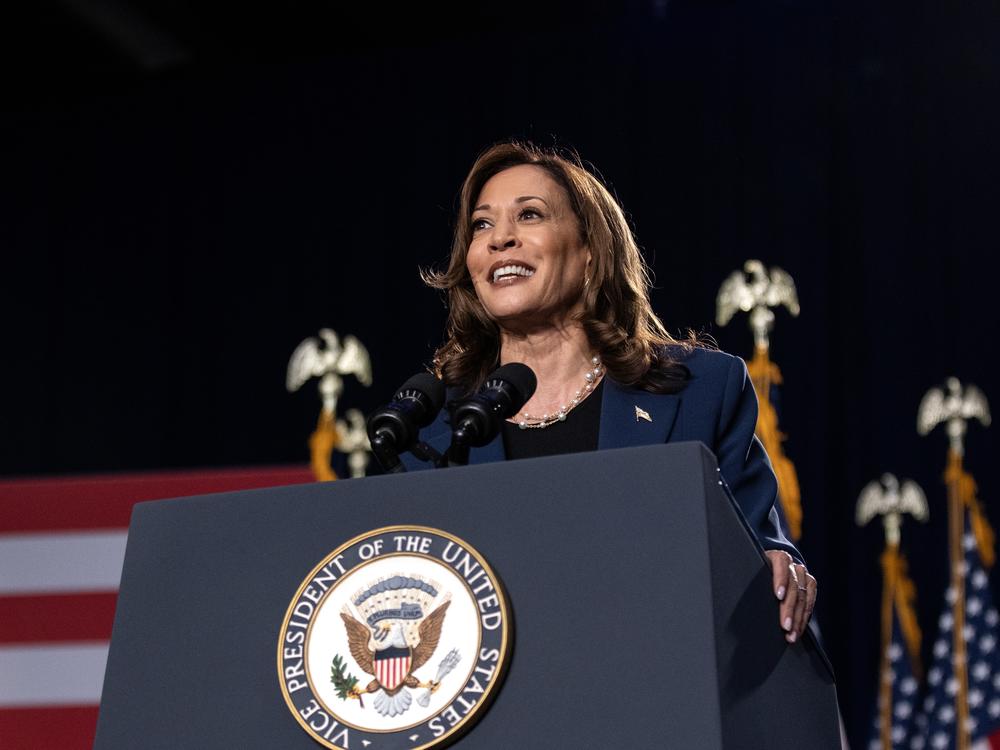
x=345, y=684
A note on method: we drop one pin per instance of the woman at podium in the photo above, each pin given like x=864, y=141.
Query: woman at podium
x=544, y=270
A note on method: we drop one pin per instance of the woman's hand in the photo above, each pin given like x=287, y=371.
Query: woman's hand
x=795, y=589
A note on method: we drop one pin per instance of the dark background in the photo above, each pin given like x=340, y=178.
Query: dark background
x=188, y=191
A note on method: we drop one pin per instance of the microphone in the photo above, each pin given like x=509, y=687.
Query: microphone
x=394, y=428
x=477, y=420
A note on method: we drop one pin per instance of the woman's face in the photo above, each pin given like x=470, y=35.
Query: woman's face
x=526, y=258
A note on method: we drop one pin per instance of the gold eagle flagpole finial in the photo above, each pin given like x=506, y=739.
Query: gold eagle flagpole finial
x=954, y=406
x=755, y=291
x=890, y=500
x=328, y=359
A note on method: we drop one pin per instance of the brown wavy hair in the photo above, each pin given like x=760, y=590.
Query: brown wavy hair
x=617, y=316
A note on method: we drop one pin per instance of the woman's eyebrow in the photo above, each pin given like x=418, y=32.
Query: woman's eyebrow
x=522, y=199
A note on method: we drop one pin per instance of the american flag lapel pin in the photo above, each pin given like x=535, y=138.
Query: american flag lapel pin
x=642, y=414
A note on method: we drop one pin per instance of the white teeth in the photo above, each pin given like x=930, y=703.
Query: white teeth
x=511, y=271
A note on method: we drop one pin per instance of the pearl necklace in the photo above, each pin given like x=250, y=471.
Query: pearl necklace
x=591, y=378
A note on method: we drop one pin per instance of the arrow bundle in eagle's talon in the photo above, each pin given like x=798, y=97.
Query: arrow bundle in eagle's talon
x=448, y=663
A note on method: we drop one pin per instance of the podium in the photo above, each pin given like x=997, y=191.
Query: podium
x=642, y=608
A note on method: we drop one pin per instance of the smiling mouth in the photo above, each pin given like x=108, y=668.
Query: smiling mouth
x=510, y=271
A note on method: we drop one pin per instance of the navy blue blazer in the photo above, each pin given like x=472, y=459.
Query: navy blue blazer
x=717, y=407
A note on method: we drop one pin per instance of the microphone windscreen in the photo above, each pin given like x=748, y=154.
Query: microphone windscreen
x=430, y=387
x=519, y=376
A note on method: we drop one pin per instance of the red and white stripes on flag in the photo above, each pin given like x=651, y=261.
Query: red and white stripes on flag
x=62, y=543
x=392, y=670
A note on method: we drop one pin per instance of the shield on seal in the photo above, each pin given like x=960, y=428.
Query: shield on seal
x=392, y=664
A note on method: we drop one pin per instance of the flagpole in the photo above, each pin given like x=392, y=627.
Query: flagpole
x=885, y=677
x=953, y=406
x=890, y=499
x=956, y=533
x=755, y=290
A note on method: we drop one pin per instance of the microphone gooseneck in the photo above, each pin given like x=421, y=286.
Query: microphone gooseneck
x=394, y=428
x=478, y=419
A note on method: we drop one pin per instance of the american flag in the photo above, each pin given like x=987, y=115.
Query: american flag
x=902, y=691
x=62, y=542
x=936, y=725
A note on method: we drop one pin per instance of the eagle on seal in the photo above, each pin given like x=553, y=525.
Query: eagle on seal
x=383, y=652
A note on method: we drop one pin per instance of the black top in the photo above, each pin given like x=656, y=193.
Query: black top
x=577, y=433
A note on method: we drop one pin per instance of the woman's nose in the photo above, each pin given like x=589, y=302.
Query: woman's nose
x=504, y=237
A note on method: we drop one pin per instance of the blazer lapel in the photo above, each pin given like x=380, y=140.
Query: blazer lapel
x=630, y=417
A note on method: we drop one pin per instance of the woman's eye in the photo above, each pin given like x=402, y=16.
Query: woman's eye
x=478, y=224
x=530, y=213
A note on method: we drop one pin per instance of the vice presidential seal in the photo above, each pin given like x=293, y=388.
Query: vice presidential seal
x=397, y=639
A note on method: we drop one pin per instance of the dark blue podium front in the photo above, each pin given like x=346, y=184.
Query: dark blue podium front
x=643, y=615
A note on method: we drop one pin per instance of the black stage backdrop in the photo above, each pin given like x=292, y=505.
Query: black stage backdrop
x=167, y=243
